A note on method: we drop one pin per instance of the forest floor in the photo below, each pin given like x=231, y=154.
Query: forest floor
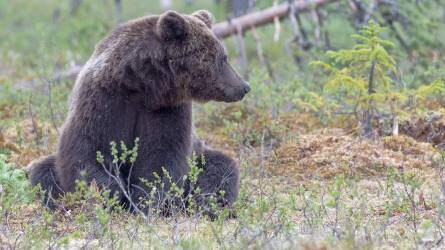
x=303, y=184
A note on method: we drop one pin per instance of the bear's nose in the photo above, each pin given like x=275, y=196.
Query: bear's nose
x=246, y=88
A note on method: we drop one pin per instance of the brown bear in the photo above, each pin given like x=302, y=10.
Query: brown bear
x=140, y=83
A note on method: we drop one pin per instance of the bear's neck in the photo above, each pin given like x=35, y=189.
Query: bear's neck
x=166, y=138
x=155, y=100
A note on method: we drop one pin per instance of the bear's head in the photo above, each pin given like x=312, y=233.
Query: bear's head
x=197, y=58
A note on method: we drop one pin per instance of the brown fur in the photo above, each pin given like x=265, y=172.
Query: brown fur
x=140, y=83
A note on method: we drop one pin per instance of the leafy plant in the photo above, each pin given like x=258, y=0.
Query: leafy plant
x=14, y=186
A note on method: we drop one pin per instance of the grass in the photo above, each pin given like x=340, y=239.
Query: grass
x=308, y=181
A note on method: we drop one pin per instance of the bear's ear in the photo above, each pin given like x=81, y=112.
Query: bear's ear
x=204, y=16
x=171, y=26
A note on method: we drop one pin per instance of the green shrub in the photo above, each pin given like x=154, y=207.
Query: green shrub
x=14, y=186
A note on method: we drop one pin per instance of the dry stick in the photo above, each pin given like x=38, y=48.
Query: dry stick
x=298, y=32
x=276, y=20
x=69, y=74
x=293, y=21
x=262, y=165
x=410, y=195
x=320, y=23
x=317, y=32
x=327, y=41
x=259, y=50
x=296, y=24
x=306, y=44
x=125, y=192
x=395, y=121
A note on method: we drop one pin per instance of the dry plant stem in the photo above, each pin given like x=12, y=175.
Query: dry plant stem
x=297, y=33
x=262, y=173
x=318, y=23
x=303, y=32
x=125, y=191
x=293, y=21
x=276, y=20
x=410, y=194
x=395, y=120
x=297, y=27
x=335, y=231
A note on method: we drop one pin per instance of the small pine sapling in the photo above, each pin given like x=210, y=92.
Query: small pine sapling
x=361, y=78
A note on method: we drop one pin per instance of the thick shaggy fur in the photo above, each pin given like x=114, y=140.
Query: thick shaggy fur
x=140, y=83
x=42, y=172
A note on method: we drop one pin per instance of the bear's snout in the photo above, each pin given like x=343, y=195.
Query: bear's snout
x=246, y=88
x=237, y=93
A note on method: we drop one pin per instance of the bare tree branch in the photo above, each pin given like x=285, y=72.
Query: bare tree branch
x=260, y=18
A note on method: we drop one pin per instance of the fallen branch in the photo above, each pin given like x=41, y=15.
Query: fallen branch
x=69, y=74
x=260, y=18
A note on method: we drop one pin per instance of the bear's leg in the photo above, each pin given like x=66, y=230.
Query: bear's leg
x=42, y=172
x=219, y=179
